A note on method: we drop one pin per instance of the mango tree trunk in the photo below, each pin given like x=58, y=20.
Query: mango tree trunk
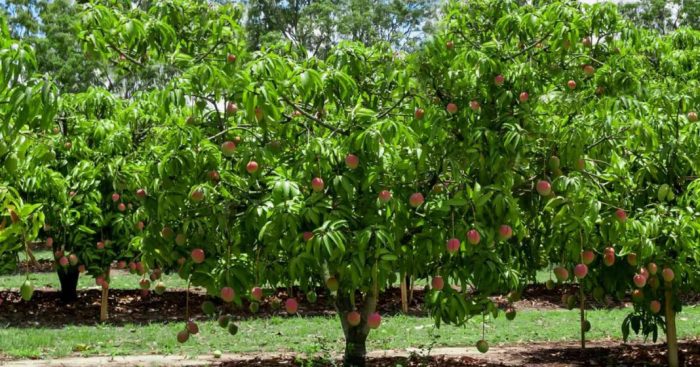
x=355, y=336
x=671, y=338
x=404, y=294
x=68, y=277
x=583, y=316
x=104, y=315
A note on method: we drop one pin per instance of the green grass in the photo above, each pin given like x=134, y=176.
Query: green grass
x=314, y=335
x=121, y=280
x=124, y=280
x=42, y=254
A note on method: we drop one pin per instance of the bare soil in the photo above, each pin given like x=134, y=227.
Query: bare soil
x=603, y=353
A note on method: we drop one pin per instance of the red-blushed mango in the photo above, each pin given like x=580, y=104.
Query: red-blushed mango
x=499, y=80
x=307, y=236
x=182, y=336
x=317, y=184
x=524, y=97
x=621, y=215
x=655, y=306
x=437, y=283
x=473, y=237
x=192, y=327
x=667, y=274
x=227, y=294
x=352, y=161
x=231, y=108
x=452, y=108
x=197, y=255
x=416, y=199
x=228, y=148
x=587, y=257
x=291, y=306
x=453, y=245
x=374, y=320
x=544, y=188
x=252, y=167
x=419, y=113
x=505, y=232
x=561, y=273
x=384, y=196
x=256, y=293
x=353, y=318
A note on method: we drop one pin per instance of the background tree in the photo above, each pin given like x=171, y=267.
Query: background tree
x=49, y=26
x=316, y=25
x=662, y=15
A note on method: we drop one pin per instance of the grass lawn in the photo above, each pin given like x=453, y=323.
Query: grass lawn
x=121, y=280
x=314, y=335
x=124, y=280
x=43, y=254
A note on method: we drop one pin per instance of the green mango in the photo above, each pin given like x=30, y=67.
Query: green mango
x=208, y=308
x=662, y=194
x=311, y=297
x=554, y=162
x=224, y=320
x=27, y=290
x=160, y=288
x=3, y=148
x=11, y=163
x=598, y=293
x=232, y=329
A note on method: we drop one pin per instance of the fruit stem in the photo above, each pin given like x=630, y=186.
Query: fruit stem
x=671, y=338
x=483, y=326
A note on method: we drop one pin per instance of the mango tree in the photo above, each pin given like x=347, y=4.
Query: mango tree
x=27, y=106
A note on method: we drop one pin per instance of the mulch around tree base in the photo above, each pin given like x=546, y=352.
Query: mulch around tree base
x=46, y=309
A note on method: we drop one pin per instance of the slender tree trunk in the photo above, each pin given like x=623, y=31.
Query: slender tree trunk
x=583, y=316
x=409, y=282
x=355, y=336
x=671, y=337
x=68, y=277
x=104, y=315
x=404, y=294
